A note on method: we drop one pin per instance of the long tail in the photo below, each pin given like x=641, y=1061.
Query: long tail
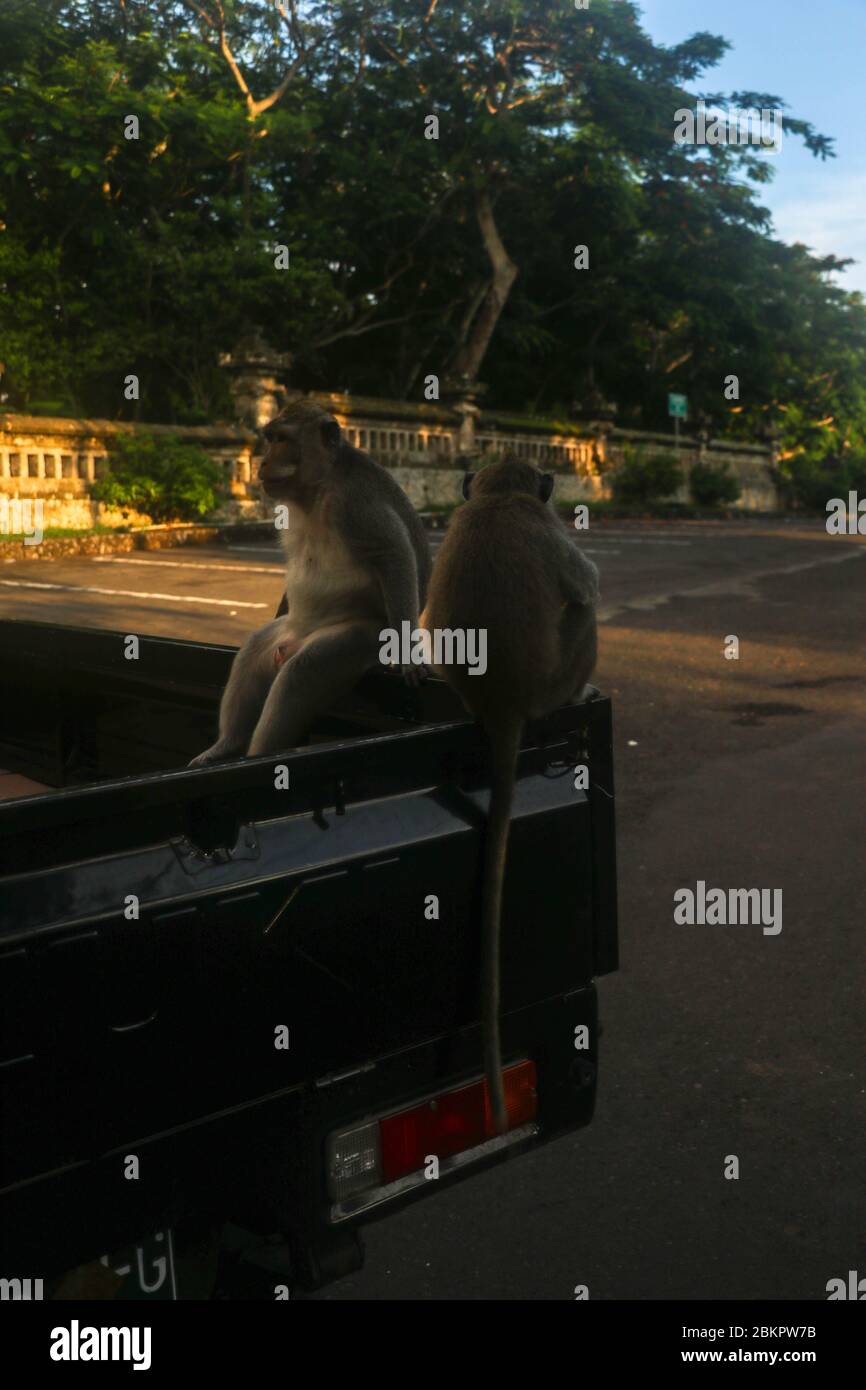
x=505, y=743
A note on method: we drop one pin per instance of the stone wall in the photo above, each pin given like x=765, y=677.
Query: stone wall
x=420, y=444
x=56, y=460
x=749, y=463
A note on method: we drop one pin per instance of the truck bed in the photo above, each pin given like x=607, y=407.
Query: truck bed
x=158, y=924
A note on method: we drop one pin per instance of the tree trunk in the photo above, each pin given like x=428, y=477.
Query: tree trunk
x=471, y=354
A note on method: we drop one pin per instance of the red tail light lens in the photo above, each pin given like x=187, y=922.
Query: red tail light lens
x=450, y=1123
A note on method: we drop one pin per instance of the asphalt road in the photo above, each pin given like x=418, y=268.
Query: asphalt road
x=717, y=1040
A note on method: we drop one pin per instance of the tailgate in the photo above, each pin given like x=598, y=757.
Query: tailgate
x=345, y=937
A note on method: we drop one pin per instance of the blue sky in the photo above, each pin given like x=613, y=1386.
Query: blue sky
x=812, y=54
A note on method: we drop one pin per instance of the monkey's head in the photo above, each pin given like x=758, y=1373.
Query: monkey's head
x=508, y=475
x=302, y=444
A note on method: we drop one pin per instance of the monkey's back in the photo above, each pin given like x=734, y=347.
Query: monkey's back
x=496, y=570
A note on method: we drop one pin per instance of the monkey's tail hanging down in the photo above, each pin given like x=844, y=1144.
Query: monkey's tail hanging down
x=504, y=738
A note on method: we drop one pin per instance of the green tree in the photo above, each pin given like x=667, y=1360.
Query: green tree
x=303, y=125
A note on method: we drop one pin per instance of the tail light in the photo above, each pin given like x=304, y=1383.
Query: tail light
x=383, y=1157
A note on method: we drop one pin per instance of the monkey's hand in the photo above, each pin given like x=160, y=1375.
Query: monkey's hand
x=415, y=675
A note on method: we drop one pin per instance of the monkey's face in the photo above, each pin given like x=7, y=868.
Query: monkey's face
x=298, y=456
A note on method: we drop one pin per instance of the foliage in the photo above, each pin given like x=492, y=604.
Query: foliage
x=712, y=485
x=811, y=483
x=153, y=255
x=160, y=476
x=642, y=478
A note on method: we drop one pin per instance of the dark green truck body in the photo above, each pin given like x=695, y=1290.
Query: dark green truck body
x=260, y=907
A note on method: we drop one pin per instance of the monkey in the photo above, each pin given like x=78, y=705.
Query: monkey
x=507, y=565
x=357, y=560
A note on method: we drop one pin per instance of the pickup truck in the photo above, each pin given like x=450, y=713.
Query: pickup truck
x=240, y=1004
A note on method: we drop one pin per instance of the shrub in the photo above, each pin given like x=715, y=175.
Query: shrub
x=642, y=479
x=162, y=476
x=712, y=486
x=811, y=483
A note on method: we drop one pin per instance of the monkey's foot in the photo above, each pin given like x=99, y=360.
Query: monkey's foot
x=217, y=753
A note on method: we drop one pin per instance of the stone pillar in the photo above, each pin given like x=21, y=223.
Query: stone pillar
x=460, y=395
x=705, y=426
x=598, y=415
x=771, y=435
x=257, y=373
x=601, y=431
x=774, y=439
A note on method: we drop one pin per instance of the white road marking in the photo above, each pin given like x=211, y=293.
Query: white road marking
x=129, y=593
x=635, y=540
x=184, y=564
x=743, y=587
x=254, y=549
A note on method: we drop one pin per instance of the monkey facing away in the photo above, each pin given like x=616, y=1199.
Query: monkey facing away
x=508, y=565
x=357, y=560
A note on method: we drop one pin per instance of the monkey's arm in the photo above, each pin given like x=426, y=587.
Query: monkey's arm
x=578, y=576
x=391, y=558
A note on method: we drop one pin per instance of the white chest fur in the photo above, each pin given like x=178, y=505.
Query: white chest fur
x=323, y=582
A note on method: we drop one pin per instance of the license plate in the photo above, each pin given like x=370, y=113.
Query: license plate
x=147, y=1269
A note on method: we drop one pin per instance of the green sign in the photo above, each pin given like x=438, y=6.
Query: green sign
x=678, y=406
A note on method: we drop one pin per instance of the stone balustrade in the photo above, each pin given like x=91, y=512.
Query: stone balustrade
x=57, y=460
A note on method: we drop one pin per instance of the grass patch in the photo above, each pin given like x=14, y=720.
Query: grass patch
x=62, y=533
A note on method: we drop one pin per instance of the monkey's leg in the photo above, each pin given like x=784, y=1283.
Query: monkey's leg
x=578, y=638
x=329, y=662
x=578, y=647
x=252, y=674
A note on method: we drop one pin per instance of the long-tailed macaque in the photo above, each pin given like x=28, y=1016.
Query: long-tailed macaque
x=508, y=565
x=357, y=561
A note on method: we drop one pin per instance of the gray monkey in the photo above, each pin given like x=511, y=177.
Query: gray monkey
x=357, y=561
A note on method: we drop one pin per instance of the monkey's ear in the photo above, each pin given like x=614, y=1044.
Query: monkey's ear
x=467, y=485
x=331, y=433
x=545, y=487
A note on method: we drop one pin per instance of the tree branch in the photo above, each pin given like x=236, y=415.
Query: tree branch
x=218, y=26
x=392, y=53
x=356, y=332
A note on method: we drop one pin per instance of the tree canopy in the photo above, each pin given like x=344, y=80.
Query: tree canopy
x=295, y=123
